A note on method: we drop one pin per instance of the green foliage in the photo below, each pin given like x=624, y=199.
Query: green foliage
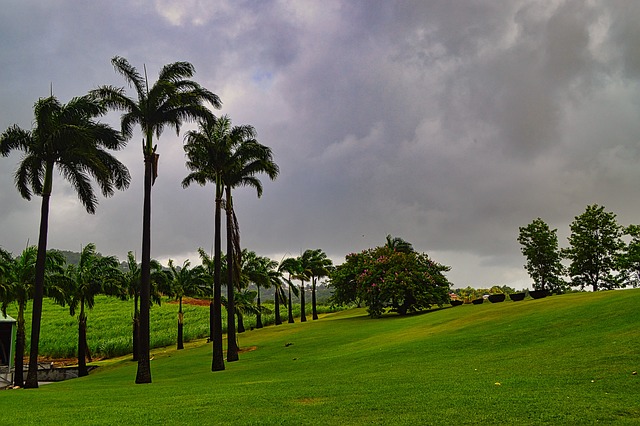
x=595, y=250
x=540, y=247
x=630, y=258
x=386, y=279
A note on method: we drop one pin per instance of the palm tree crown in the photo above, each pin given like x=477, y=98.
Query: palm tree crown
x=69, y=137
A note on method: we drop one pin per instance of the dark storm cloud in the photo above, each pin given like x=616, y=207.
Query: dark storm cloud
x=447, y=123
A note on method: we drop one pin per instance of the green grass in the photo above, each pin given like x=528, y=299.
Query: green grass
x=561, y=360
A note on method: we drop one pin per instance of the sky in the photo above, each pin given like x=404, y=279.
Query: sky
x=449, y=124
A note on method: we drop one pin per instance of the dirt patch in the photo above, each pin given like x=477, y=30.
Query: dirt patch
x=192, y=301
x=247, y=349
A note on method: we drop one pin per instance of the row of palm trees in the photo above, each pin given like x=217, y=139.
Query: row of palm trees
x=76, y=285
x=67, y=136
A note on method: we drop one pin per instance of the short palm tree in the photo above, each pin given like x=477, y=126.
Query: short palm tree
x=185, y=281
x=68, y=137
x=291, y=266
x=319, y=266
x=132, y=277
x=256, y=270
x=18, y=278
x=171, y=100
x=93, y=275
x=304, y=274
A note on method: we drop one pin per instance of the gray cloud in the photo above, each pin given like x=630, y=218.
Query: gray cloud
x=448, y=124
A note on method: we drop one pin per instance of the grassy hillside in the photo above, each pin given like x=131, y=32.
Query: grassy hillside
x=561, y=360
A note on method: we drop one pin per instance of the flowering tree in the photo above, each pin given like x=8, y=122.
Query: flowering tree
x=388, y=280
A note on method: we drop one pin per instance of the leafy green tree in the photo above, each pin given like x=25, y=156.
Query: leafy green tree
x=343, y=280
x=94, y=274
x=595, y=249
x=291, y=266
x=68, y=137
x=185, y=281
x=544, y=258
x=389, y=280
x=630, y=258
x=171, y=100
x=17, y=279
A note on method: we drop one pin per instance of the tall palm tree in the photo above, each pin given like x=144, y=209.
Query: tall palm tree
x=207, y=159
x=171, y=100
x=68, y=137
x=248, y=158
x=185, y=281
x=18, y=278
x=93, y=275
x=292, y=266
x=227, y=156
x=132, y=278
x=319, y=266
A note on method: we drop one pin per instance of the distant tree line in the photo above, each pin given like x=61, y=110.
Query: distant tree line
x=601, y=255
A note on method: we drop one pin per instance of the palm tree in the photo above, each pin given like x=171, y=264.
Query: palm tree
x=66, y=136
x=227, y=156
x=319, y=266
x=185, y=281
x=398, y=244
x=279, y=296
x=132, y=277
x=291, y=265
x=171, y=100
x=256, y=270
x=93, y=275
x=245, y=304
x=18, y=278
x=304, y=274
x=248, y=158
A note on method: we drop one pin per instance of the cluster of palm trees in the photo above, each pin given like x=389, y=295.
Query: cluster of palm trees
x=77, y=285
x=69, y=137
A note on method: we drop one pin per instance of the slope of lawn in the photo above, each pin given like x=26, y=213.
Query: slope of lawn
x=561, y=360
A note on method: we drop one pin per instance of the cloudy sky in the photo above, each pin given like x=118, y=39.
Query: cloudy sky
x=447, y=123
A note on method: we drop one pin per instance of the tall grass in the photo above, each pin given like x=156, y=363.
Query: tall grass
x=110, y=326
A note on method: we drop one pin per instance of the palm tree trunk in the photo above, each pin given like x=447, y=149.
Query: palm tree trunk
x=136, y=328
x=232, y=347
x=180, y=326
x=38, y=290
x=277, y=307
x=259, y=313
x=82, y=342
x=313, y=299
x=303, y=316
x=18, y=378
x=291, y=321
x=241, y=328
x=217, y=363
x=143, y=374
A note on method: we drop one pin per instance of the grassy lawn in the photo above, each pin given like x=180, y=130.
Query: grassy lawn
x=561, y=360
